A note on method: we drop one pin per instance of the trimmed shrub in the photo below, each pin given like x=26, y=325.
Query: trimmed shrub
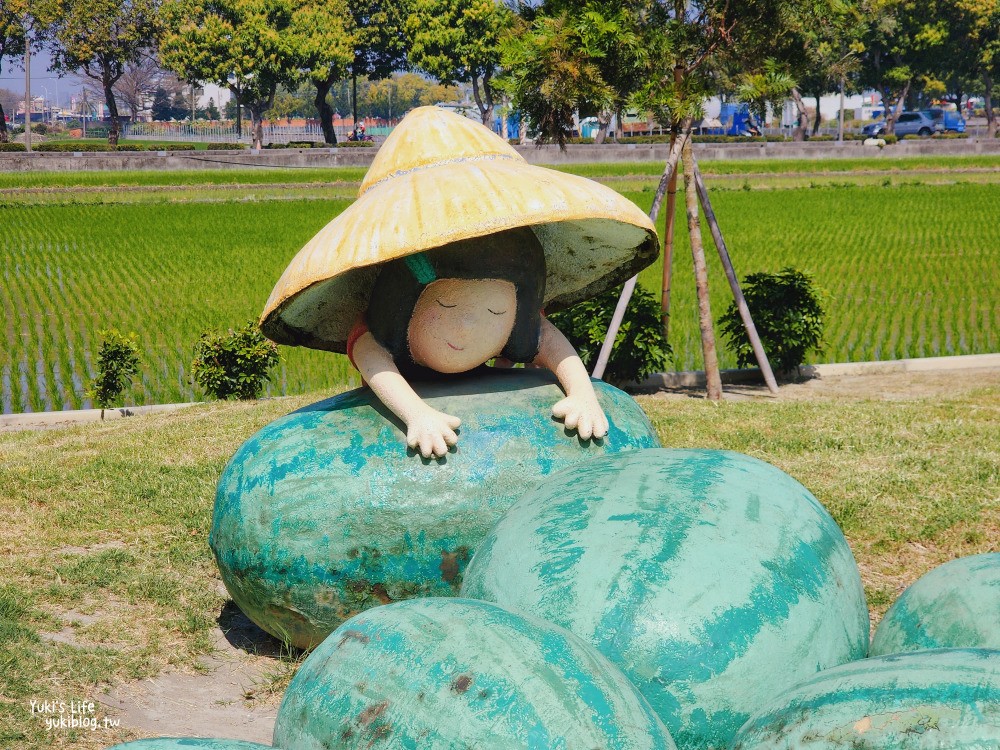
x=226, y=146
x=131, y=147
x=640, y=347
x=234, y=364
x=889, y=139
x=787, y=311
x=12, y=147
x=71, y=146
x=175, y=147
x=355, y=144
x=117, y=364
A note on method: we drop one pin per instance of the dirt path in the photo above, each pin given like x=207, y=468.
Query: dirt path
x=231, y=696
x=893, y=386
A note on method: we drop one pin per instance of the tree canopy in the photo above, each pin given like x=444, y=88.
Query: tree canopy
x=100, y=38
x=458, y=41
x=247, y=45
x=13, y=38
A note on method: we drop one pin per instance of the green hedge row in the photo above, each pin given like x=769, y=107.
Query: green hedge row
x=12, y=147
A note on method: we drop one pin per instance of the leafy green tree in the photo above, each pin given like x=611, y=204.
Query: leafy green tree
x=117, y=364
x=323, y=33
x=162, y=108
x=458, y=41
x=902, y=39
x=394, y=96
x=243, y=44
x=970, y=58
x=787, y=311
x=100, y=38
x=212, y=111
x=640, y=346
x=234, y=364
x=380, y=41
x=765, y=87
x=551, y=72
x=13, y=38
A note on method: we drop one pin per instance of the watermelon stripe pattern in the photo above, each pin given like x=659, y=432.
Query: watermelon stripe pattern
x=324, y=512
x=943, y=698
x=454, y=673
x=956, y=605
x=714, y=580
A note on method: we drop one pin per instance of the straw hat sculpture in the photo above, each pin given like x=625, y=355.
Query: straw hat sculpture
x=441, y=179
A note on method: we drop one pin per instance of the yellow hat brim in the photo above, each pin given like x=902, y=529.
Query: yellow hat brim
x=593, y=239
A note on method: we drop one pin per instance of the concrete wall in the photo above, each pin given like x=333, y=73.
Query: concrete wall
x=582, y=153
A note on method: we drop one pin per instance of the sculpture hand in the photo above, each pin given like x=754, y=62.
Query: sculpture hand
x=431, y=432
x=584, y=414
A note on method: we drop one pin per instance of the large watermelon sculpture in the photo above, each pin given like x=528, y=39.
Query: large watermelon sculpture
x=324, y=512
x=714, y=580
x=947, y=699
x=443, y=674
x=956, y=605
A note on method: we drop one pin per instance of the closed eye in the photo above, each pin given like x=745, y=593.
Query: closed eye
x=502, y=312
x=444, y=305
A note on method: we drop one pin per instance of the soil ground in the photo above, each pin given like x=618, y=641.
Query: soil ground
x=891, y=386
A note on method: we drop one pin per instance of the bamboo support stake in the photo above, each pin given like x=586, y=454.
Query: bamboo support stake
x=734, y=284
x=669, y=171
x=712, y=376
x=668, y=250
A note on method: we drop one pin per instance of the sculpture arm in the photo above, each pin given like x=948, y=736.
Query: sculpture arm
x=427, y=429
x=580, y=409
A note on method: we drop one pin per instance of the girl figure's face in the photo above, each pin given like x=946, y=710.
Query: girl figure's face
x=459, y=324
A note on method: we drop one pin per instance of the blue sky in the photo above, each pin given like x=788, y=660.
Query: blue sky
x=12, y=77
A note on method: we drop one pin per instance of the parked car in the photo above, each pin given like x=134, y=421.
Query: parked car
x=909, y=123
x=952, y=121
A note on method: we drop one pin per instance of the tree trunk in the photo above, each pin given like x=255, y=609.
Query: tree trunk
x=802, y=127
x=668, y=248
x=325, y=111
x=603, y=123
x=484, y=100
x=819, y=117
x=712, y=376
x=619, y=126
x=4, y=133
x=354, y=100
x=109, y=97
x=257, y=123
x=891, y=119
x=522, y=130
x=991, y=115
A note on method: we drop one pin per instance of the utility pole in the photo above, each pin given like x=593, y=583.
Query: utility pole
x=27, y=95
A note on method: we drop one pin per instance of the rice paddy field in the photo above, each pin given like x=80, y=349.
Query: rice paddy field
x=907, y=252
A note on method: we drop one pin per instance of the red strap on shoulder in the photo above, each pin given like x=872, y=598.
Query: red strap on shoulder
x=357, y=332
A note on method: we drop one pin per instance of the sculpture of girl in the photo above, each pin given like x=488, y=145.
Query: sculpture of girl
x=447, y=260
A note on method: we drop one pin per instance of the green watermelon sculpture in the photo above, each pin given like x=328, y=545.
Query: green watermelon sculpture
x=325, y=512
x=714, y=580
x=926, y=700
x=439, y=674
x=956, y=605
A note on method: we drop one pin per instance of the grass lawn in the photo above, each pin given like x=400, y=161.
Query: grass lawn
x=105, y=526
